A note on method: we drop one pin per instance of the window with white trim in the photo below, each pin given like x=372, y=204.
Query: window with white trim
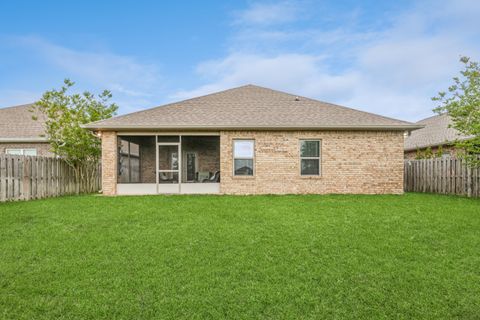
x=243, y=157
x=22, y=152
x=310, y=157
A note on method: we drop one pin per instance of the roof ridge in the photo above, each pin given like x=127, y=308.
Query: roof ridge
x=254, y=86
x=333, y=104
x=174, y=103
x=18, y=106
x=218, y=108
x=434, y=116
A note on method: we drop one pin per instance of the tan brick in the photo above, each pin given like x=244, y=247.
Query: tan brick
x=360, y=162
x=109, y=163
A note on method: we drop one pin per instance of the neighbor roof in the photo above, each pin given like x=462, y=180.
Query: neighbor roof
x=436, y=132
x=17, y=124
x=250, y=107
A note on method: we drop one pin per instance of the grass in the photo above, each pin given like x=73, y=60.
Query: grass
x=264, y=257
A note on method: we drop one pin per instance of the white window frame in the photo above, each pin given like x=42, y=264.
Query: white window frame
x=319, y=158
x=243, y=158
x=22, y=151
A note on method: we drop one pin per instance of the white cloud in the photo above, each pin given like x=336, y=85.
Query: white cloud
x=264, y=14
x=393, y=72
x=134, y=84
x=301, y=74
x=118, y=72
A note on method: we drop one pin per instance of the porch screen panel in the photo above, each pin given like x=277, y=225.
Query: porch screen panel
x=128, y=162
x=168, y=164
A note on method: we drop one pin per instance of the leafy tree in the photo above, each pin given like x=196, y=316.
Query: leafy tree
x=65, y=114
x=419, y=154
x=439, y=152
x=462, y=102
x=428, y=153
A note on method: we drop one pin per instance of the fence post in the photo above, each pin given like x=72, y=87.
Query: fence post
x=26, y=178
x=445, y=176
x=32, y=177
x=469, y=182
x=3, y=177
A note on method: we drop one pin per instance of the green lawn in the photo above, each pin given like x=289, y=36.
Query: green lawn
x=213, y=257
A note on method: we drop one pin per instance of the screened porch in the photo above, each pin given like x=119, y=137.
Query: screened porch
x=163, y=164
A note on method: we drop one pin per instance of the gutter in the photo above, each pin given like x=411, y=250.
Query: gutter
x=22, y=139
x=406, y=127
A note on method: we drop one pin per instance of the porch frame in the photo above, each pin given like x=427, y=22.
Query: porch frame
x=123, y=188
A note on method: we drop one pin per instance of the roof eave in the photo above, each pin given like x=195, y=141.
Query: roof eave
x=436, y=144
x=446, y=143
x=22, y=139
x=402, y=127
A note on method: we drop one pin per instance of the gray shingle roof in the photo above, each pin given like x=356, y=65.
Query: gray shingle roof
x=436, y=132
x=250, y=107
x=16, y=124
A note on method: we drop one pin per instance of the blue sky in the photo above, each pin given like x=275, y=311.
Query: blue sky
x=387, y=57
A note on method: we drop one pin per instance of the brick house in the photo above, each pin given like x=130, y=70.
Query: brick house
x=20, y=134
x=434, y=134
x=252, y=140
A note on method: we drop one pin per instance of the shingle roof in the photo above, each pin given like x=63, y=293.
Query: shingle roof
x=436, y=132
x=250, y=107
x=16, y=124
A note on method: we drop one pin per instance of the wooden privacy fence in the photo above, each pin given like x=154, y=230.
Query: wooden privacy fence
x=25, y=178
x=441, y=175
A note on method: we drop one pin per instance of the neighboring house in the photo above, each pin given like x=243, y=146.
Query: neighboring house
x=436, y=133
x=20, y=134
x=252, y=140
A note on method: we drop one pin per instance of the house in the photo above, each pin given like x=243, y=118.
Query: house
x=252, y=140
x=20, y=134
x=436, y=133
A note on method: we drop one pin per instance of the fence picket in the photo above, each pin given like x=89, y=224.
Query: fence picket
x=445, y=176
x=30, y=177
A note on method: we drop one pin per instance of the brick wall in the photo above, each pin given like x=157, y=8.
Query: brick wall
x=361, y=162
x=451, y=150
x=43, y=149
x=109, y=163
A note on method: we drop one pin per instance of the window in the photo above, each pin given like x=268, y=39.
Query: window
x=22, y=152
x=310, y=157
x=446, y=155
x=243, y=155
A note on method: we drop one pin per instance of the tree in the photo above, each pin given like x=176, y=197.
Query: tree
x=65, y=114
x=462, y=102
x=428, y=154
x=439, y=152
x=418, y=154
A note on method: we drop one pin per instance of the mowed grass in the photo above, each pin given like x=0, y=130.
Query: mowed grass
x=415, y=256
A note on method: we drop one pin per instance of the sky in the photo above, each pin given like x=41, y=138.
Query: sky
x=385, y=57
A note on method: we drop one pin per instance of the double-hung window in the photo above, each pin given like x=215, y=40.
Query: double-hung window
x=243, y=157
x=310, y=157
